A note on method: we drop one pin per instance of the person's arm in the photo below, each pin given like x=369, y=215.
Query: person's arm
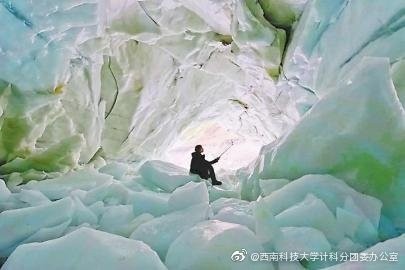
x=214, y=161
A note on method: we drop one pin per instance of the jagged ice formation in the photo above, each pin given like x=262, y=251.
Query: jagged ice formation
x=101, y=103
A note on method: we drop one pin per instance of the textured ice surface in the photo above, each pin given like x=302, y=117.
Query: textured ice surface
x=216, y=192
x=150, y=202
x=120, y=220
x=382, y=250
x=379, y=33
x=44, y=36
x=78, y=79
x=160, y=232
x=115, y=169
x=86, y=248
x=17, y=226
x=237, y=216
x=361, y=139
x=302, y=240
x=268, y=186
x=211, y=243
x=4, y=192
x=90, y=90
x=321, y=186
x=338, y=217
x=165, y=175
x=187, y=195
x=317, y=215
x=60, y=187
x=234, y=203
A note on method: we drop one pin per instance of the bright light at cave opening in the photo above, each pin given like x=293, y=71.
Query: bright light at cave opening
x=215, y=139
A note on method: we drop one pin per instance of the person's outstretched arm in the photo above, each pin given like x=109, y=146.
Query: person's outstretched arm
x=214, y=160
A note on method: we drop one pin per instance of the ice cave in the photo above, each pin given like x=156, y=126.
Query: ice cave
x=102, y=103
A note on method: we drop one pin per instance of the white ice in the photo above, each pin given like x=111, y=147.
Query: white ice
x=102, y=102
x=86, y=249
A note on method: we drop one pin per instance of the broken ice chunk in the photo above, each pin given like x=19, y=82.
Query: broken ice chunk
x=160, y=232
x=311, y=212
x=390, y=255
x=165, y=175
x=18, y=225
x=231, y=215
x=85, y=249
x=210, y=245
x=187, y=195
x=269, y=185
x=149, y=202
x=61, y=187
x=301, y=240
x=4, y=192
x=119, y=219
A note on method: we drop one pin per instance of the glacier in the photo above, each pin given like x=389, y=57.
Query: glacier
x=102, y=102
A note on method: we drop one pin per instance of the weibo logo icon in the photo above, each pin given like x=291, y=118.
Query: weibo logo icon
x=239, y=256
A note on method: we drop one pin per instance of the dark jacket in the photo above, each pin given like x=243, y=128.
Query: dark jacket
x=199, y=165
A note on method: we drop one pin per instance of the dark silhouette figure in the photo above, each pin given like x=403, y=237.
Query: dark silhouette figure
x=203, y=167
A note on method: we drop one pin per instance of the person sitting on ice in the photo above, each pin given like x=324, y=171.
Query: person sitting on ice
x=203, y=167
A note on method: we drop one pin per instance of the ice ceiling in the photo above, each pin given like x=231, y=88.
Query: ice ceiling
x=311, y=91
x=140, y=79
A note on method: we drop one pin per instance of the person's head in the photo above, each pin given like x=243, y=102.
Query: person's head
x=199, y=148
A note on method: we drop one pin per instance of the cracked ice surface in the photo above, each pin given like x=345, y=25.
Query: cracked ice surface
x=103, y=101
x=136, y=79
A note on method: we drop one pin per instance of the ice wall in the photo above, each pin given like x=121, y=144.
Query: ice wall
x=354, y=129
x=334, y=36
x=84, y=83
x=134, y=79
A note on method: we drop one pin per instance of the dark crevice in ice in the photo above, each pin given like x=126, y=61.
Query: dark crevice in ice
x=96, y=154
x=146, y=13
x=393, y=25
x=296, y=81
x=21, y=17
x=129, y=134
x=289, y=35
x=116, y=89
x=331, y=22
x=224, y=39
x=241, y=103
x=394, y=61
x=16, y=13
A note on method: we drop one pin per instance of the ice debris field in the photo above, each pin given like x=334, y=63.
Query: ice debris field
x=102, y=102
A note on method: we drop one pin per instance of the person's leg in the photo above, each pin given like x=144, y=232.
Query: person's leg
x=212, y=173
x=204, y=174
x=214, y=180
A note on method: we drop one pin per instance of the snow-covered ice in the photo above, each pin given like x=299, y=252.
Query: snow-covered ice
x=160, y=232
x=85, y=249
x=102, y=102
x=18, y=225
x=393, y=247
x=211, y=244
x=165, y=175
